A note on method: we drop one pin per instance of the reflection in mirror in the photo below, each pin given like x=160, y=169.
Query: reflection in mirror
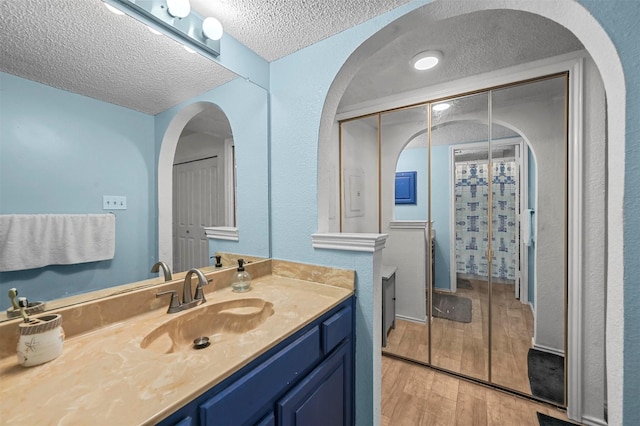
x=405, y=162
x=83, y=116
x=203, y=186
x=473, y=197
x=460, y=305
x=529, y=271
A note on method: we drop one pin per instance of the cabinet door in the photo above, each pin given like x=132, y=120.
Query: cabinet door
x=324, y=397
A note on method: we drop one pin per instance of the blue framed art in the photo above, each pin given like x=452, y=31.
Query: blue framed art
x=406, y=187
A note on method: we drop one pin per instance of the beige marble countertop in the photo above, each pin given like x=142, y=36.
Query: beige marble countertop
x=105, y=377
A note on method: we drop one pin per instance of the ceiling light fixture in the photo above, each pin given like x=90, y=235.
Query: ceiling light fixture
x=188, y=49
x=113, y=9
x=153, y=30
x=426, y=60
x=176, y=20
x=441, y=106
x=212, y=28
x=178, y=8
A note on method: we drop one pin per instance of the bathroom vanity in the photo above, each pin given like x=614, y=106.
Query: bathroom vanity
x=307, y=379
x=282, y=353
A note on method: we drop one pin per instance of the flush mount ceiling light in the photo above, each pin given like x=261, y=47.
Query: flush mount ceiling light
x=178, y=8
x=441, y=106
x=426, y=60
x=212, y=28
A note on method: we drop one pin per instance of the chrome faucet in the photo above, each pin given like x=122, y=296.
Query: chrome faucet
x=188, y=301
x=186, y=289
x=165, y=268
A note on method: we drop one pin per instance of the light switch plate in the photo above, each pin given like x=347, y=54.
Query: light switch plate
x=114, y=202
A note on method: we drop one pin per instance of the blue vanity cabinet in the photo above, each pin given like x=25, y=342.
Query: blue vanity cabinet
x=307, y=379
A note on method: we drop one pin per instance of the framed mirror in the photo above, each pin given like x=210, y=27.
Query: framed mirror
x=87, y=114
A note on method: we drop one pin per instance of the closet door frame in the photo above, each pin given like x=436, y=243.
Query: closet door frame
x=573, y=64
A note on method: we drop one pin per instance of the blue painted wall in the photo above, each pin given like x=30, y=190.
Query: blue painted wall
x=60, y=153
x=440, y=213
x=620, y=20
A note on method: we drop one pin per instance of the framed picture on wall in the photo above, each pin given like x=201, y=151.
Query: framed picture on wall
x=406, y=187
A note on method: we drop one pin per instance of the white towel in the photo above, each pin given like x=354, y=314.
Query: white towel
x=527, y=227
x=33, y=241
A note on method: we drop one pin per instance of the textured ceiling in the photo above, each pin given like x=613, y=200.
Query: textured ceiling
x=471, y=44
x=78, y=46
x=81, y=47
x=276, y=28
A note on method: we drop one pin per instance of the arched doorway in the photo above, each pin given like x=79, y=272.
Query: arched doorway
x=575, y=18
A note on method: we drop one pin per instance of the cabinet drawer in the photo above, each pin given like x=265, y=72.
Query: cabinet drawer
x=247, y=398
x=336, y=328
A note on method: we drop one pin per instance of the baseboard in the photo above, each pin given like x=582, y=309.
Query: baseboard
x=590, y=420
x=411, y=319
x=547, y=349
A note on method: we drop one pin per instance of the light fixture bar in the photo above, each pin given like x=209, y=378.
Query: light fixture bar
x=186, y=31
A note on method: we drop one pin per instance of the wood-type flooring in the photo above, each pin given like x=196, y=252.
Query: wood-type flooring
x=415, y=395
x=463, y=347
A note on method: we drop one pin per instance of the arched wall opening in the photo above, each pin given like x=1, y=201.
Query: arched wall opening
x=583, y=25
x=165, y=177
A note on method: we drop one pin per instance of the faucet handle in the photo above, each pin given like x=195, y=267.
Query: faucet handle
x=199, y=292
x=174, y=304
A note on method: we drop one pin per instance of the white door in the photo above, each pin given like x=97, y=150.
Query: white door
x=197, y=203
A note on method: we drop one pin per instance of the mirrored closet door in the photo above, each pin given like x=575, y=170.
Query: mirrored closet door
x=472, y=193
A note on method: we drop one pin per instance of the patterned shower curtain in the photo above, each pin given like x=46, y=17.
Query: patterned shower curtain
x=471, y=218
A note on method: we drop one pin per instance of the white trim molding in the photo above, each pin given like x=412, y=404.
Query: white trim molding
x=575, y=232
x=349, y=241
x=229, y=233
x=408, y=224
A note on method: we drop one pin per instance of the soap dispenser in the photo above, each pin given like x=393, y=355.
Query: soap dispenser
x=242, y=279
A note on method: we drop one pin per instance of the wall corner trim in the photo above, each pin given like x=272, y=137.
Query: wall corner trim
x=349, y=241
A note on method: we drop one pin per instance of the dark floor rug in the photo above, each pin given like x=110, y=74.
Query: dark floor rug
x=454, y=308
x=463, y=283
x=546, y=375
x=545, y=420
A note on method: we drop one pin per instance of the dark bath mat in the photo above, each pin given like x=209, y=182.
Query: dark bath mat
x=545, y=420
x=454, y=308
x=546, y=375
x=463, y=283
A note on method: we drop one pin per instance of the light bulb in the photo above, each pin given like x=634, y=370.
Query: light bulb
x=441, y=106
x=212, y=28
x=178, y=8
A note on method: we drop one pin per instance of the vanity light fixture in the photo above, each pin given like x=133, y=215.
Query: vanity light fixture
x=179, y=8
x=426, y=60
x=175, y=19
x=441, y=106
